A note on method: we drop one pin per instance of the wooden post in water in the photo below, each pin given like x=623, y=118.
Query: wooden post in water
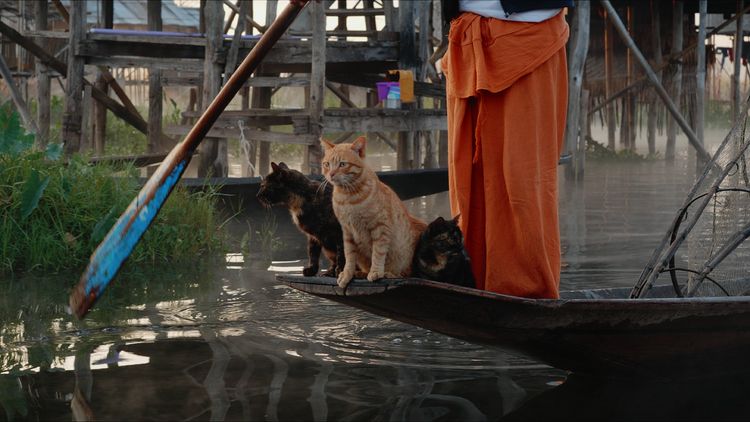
x=266, y=94
x=700, y=77
x=72, y=114
x=213, y=151
x=653, y=106
x=43, y=85
x=608, y=76
x=676, y=87
x=314, y=153
x=579, y=50
x=407, y=61
x=155, y=91
x=106, y=20
x=738, y=38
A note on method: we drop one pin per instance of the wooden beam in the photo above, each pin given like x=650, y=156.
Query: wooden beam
x=120, y=111
x=248, y=17
x=235, y=46
x=254, y=134
x=348, y=103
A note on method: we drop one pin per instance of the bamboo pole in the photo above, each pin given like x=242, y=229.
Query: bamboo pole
x=654, y=80
x=118, y=244
x=653, y=106
x=608, y=75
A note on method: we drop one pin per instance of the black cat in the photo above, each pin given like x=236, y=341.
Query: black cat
x=440, y=254
x=310, y=204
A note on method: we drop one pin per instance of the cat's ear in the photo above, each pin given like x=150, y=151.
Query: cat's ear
x=440, y=220
x=283, y=166
x=359, y=146
x=326, y=144
x=457, y=218
x=274, y=166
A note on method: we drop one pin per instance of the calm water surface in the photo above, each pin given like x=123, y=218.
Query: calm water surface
x=223, y=340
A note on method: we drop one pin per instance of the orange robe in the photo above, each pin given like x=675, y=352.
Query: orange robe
x=507, y=99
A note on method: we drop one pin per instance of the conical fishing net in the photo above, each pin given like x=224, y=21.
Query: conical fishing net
x=704, y=252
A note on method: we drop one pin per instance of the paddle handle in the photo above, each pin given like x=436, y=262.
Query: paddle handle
x=116, y=247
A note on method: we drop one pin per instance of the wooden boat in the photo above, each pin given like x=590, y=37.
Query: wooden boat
x=598, y=331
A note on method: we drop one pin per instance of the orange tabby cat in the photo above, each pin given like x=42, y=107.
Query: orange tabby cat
x=379, y=233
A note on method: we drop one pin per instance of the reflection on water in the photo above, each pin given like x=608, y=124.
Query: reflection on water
x=225, y=341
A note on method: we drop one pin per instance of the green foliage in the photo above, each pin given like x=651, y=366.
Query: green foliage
x=13, y=138
x=53, y=214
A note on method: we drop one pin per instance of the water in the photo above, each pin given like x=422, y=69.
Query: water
x=223, y=340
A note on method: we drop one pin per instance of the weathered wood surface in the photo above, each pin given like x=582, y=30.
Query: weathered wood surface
x=317, y=89
x=589, y=331
x=72, y=113
x=43, y=90
x=220, y=131
x=58, y=66
x=155, y=90
x=286, y=51
x=255, y=81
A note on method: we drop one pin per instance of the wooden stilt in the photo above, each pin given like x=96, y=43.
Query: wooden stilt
x=676, y=86
x=579, y=50
x=700, y=76
x=608, y=75
x=314, y=152
x=72, y=115
x=653, y=106
x=213, y=151
x=738, y=38
x=407, y=61
x=612, y=14
x=155, y=91
x=42, y=80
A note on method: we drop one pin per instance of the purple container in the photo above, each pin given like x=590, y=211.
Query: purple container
x=383, y=88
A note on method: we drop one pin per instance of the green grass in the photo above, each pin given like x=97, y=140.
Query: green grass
x=53, y=213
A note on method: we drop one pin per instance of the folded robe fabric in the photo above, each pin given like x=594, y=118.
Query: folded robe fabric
x=507, y=100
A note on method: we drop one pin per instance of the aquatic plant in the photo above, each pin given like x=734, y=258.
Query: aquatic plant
x=53, y=213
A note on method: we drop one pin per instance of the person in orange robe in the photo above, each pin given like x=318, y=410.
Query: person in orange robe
x=507, y=100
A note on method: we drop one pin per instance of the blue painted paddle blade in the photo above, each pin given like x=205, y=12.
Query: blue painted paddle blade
x=116, y=247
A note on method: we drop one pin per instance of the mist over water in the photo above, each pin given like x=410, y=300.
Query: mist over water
x=224, y=340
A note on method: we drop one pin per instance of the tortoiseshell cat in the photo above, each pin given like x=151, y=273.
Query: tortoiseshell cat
x=440, y=254
x=309, y=202
x=379, y=233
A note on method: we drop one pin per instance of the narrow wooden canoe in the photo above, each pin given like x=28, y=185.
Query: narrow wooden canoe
x=589, y=331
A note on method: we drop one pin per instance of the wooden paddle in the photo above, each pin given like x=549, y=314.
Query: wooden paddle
x=106, y=260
